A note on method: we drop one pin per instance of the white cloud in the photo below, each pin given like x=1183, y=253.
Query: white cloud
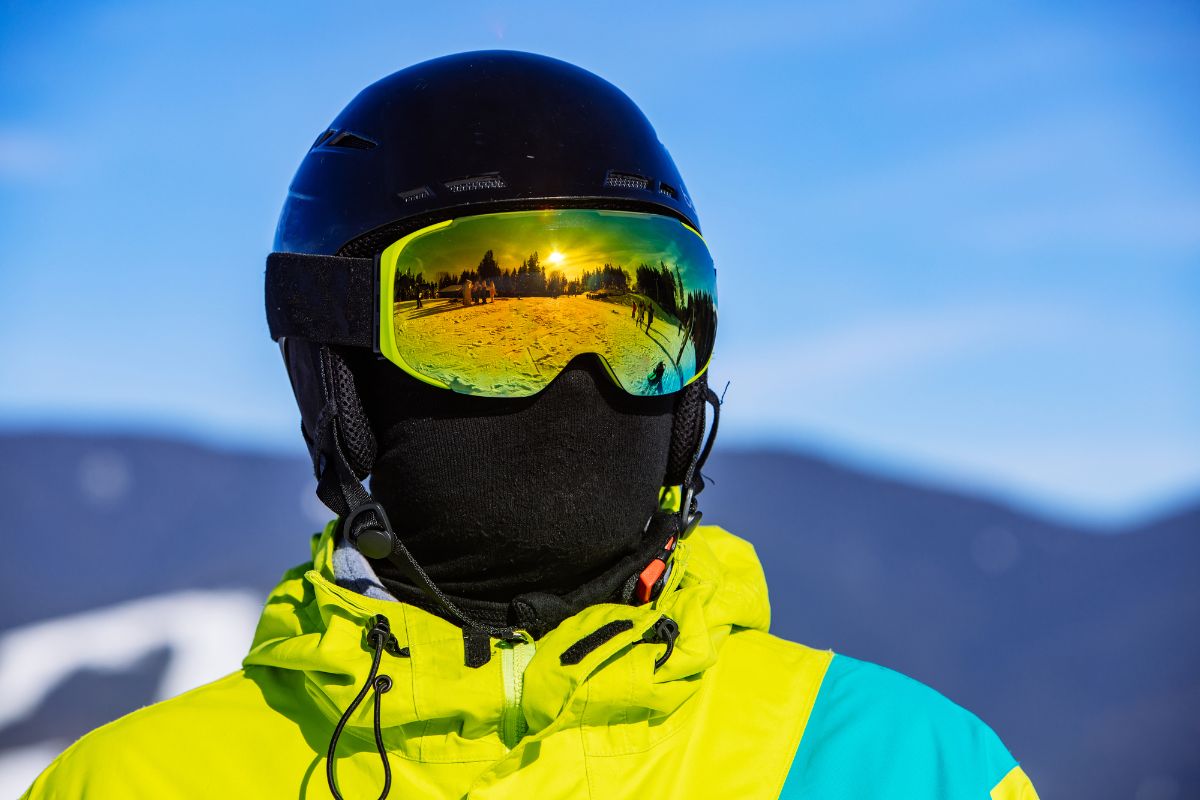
x=898, y=391
x=26, y=155
x=724, y=27
x=857, y=355
x=1070, y=177
x=972, y=66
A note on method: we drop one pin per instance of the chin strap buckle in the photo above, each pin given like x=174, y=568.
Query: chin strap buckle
x=372, y=540
x=652, y=579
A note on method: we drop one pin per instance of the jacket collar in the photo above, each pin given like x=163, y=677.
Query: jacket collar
x=439, y=709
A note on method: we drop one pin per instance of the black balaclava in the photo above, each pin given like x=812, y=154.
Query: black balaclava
x=500, y=498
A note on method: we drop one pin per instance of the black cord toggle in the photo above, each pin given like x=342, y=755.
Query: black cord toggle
x=664, y=631
x=380, y=639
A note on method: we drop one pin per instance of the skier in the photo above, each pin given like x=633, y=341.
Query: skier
x=656, y=377
x=580, y=634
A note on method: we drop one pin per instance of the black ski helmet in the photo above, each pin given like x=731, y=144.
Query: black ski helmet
x=459, y=135
x=469, y=134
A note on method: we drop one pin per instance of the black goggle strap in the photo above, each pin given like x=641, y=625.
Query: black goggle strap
x=324, y=299
x=364, y=519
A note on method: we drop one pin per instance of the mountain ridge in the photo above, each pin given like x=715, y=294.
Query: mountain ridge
x=1076, y=645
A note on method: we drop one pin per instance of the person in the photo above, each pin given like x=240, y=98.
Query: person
x=649, y=317
x=579, y=635
x=633, y=310
x=419, y=292
x=466, y=291
x=656, y=377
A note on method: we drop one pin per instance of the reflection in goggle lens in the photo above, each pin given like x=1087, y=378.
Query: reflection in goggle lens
x=498, y=304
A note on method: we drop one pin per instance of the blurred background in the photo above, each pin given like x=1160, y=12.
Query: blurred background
x=962, y=423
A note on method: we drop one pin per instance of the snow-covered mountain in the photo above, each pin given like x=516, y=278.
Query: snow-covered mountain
x=1079, y=647
x=61, y=677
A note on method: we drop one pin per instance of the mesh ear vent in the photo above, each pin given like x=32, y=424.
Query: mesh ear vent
x=354, y=429
x=687, y=431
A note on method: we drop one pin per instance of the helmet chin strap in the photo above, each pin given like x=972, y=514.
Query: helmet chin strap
x=648, y=584
x=693, y=481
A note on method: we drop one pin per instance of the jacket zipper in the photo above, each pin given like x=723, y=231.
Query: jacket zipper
x=514, y=658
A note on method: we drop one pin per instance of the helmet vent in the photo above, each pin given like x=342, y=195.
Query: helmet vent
x=490, y=180
x=351, y=141
x=626, y=180
x=668, y=190
x=323, y=137
x=412, y=195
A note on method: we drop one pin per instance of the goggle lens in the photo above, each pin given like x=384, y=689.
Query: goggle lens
x=496, y=305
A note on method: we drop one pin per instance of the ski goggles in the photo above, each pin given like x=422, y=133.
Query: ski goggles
x=496, y=305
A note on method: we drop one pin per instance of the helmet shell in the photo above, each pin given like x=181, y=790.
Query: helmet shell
x=473, y=133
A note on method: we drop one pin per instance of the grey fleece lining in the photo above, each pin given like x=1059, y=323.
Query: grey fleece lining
x=352, y=571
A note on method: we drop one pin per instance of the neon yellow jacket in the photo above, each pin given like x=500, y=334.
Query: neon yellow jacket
x=733, y=712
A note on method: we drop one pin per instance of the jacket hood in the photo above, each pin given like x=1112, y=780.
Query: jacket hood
x=440, y=709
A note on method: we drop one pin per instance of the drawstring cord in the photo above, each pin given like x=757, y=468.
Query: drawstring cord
x=664, y=631
x=379, y=638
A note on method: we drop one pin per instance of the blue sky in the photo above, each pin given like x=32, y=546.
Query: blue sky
x=981, y=222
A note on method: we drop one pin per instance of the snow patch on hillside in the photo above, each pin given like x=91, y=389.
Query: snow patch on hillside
x=206, y=632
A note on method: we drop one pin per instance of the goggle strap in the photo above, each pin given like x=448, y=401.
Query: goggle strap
x=323, y=299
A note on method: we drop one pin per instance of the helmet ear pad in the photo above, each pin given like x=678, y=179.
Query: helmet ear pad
x=687, y=430
x=326, y=393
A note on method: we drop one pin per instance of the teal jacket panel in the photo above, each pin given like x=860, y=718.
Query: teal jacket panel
x=879, y=734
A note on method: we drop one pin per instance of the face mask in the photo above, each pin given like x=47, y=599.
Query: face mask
x=500, y=499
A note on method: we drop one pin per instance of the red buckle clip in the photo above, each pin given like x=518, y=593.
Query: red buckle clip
x=654, y=576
